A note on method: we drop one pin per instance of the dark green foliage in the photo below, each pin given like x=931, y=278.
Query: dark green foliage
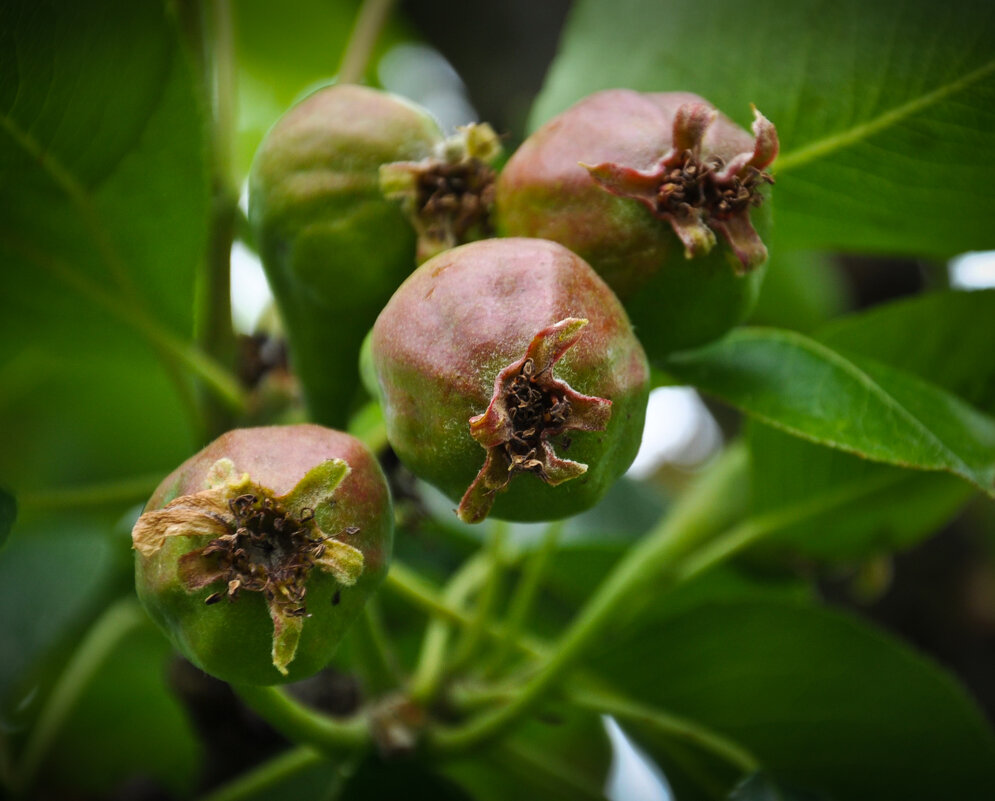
x=123, y=146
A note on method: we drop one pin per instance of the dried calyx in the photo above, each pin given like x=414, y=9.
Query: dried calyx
x=259, y=543
x=530, y=407
x=699, y=193
x=448, y=197
x=266, y=550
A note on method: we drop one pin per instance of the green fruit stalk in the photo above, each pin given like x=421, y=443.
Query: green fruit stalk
x=333, y=246
x=256, y=554
x=655, y=191
x=511, y=379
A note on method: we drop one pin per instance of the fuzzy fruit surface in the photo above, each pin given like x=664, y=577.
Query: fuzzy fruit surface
x=439, y=348
x=333, y=247
x=544, y=191
x=230, y=633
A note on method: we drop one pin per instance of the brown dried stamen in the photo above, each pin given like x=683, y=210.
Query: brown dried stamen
x=700, y=194
x=737, y=193
x=267, y=550
x=683, y=188
x=692, y=184
x=447, y=196
x=529, y=407
x=535, y=412
x=258, y=542
x=455, y=199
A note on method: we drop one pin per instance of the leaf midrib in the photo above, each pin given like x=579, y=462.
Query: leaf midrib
x=837, y=141
x=956, y=464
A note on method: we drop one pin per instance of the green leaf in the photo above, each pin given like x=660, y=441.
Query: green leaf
x=574, y=571
x=562, y=755
x=399, y=778
x=104, y=187
x=889, y=509
x=8, y=513
x=822, y=700
x=300, y=776
x=867, y=408
x=280, y=57
x=884, y=109
x=802, y=290
x=53, y=579
x=111, y=739
x=942, y=337
x=760, y=787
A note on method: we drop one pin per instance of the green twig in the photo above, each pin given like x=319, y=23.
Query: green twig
x=267, y=775
x=431, y=661
x=302, y=725
x=214, y=332
x=579, y=692
x=117, y=621
x=473, y=635
x=224, y=85
x=589, y=693
x=371, y=649
x=679, y=550
x=688, y=524
x=370, y=21
x=525, y=593
x=665, y=723
x=407, y=584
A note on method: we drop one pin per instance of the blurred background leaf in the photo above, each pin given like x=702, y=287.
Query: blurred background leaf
x=802, y=290
x=104, y=192
x=127, y=727
x=759, y=787
x=891, y=508
x=99, y=117
x=824, y=701
x=54, y=577
x=562, y=754
x=281, y=57
x=399, y=778
x=884, y=109
x=8, y=513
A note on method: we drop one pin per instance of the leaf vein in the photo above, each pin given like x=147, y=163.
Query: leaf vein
x=857, y=133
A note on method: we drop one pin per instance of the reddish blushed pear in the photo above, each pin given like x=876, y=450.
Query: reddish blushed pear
x=256, y=554
x=511, y=379
x=663, y=195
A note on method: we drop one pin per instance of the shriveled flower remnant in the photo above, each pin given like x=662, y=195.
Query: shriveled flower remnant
x=259, y=543
x=448, y=197
x=528, y=408
x=696, y=191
